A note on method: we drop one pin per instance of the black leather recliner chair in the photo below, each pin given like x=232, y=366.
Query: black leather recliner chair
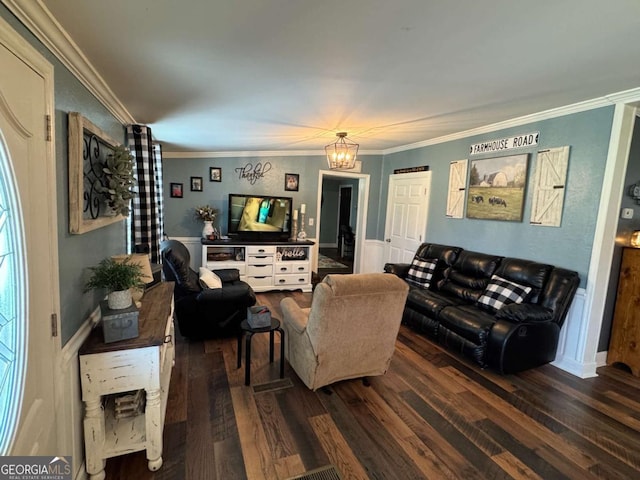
x=203, y=312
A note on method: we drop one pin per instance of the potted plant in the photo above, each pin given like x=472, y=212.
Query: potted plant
x=207, y=214
x=118, y=182
x=117, y=277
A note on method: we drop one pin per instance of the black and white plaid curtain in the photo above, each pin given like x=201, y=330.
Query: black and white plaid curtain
x=147, y=222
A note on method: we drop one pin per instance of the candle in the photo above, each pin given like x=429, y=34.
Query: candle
x=303, y=208
x=295, y=214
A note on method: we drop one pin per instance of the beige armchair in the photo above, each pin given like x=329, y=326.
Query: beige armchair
x=350, y=330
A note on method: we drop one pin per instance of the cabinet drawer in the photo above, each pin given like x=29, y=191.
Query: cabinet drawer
x=260, y=259
x=291, y=267
x=261, y=249
x=292, y=279
x=260, y=281
x=260, y=270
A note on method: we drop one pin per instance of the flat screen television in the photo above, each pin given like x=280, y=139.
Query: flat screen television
x=259, y=217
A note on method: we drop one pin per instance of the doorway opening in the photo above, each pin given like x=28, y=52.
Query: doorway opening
x=342, y=201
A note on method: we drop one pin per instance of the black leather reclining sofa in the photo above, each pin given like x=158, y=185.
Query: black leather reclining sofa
x=456, y=305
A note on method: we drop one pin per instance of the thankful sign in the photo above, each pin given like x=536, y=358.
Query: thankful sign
x=252, y=173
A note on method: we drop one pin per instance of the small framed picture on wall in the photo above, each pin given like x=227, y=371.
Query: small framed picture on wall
x=291, y=181
x=196, y=184
x=176, y=190
x=215, y=174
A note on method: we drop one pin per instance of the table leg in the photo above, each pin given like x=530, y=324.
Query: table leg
x=271, y=343
x=247, y=359
x=153, y=420
x=281, y=352
x=94, y=437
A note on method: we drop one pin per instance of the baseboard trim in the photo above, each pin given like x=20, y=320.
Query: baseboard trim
x=69, y=407
x=581, y=370
x=601, y=358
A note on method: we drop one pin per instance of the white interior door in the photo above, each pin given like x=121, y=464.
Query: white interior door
x=407, y=211
x=29, y=246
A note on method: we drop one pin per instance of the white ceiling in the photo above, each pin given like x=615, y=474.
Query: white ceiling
x=266, y=75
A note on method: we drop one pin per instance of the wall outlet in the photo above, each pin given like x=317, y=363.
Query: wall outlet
x=310, y=222
x=627, y=213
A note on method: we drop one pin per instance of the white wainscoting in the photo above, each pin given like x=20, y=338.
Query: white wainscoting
x=570, y=354
x=373, y=258
x=69, y=406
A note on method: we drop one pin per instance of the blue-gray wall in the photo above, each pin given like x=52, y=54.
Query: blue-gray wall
x=179, y=218
x=569, y=245
x=75, y=252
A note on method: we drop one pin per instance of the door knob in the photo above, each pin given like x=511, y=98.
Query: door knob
x=388, y=240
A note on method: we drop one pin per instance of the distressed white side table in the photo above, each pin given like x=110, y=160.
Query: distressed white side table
x=144, y=362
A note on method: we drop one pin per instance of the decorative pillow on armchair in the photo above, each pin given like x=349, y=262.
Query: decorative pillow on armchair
x=208, y=279
x=501, y=291
x=421, y=272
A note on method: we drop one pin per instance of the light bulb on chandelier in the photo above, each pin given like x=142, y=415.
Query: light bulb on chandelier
x=342, y=153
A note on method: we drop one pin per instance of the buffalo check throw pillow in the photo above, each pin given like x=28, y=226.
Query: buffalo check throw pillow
x=420, y=272
x=501, y=291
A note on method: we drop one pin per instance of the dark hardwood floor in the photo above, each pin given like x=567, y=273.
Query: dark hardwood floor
x=432, y=416
x=335, y=255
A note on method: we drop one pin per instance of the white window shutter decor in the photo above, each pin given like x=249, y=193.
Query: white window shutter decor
x=457, y=187
x=549, y=186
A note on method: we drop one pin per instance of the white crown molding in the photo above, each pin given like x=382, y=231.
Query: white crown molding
x=240, y=154
x=38, y=19
x=514, y=122
x=627, y=96
x=259, y=153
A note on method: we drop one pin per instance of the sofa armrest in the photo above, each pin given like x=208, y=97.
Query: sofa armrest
x=516, y=346
x=524, y=312
x=399, y=269
x=293, y=315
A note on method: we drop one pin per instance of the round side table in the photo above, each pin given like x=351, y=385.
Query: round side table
x=248, y=331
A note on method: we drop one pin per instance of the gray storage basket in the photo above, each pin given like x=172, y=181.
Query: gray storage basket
x=258, y=316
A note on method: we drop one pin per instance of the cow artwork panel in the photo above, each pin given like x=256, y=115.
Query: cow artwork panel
x=497, y=188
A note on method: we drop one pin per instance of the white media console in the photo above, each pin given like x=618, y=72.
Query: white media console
x=265, y=265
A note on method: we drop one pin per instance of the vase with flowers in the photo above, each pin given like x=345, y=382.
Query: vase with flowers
x=208, y=215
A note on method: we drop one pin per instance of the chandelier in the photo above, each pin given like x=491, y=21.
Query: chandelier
x=342, y=153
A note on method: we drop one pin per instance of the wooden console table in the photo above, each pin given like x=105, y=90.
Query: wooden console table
x=141, y=363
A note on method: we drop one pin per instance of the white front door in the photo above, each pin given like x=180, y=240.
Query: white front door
x=407, y=211
x=29, y=247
